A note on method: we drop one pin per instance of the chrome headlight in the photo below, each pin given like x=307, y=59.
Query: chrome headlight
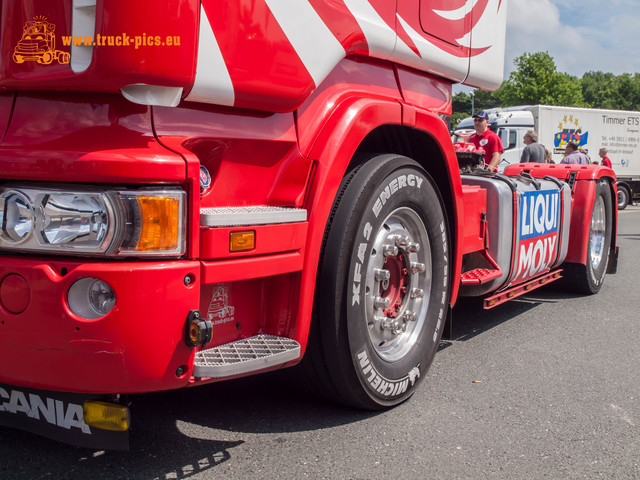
x=92, y=221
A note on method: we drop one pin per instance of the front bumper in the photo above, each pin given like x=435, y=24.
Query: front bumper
x=137, y=347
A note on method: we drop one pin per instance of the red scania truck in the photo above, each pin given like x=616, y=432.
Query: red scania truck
x=209, y=189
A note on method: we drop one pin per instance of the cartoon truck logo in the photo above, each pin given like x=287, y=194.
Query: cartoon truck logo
x=219, y=306
x=38, y=43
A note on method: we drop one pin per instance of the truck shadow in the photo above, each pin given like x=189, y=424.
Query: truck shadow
x=181, y=433
x=470, y=319
x=629, y=236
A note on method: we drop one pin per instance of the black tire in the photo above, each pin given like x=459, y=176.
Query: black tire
x=623, y=197
x=359, y=352
x=590, y=277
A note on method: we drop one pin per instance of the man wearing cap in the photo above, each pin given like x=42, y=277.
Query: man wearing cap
x=488, y=140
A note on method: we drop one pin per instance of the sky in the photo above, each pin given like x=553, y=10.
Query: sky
x=580, y=35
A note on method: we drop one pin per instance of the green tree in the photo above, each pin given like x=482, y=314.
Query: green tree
x=536, y=80
x=598, y=89
x=606, y=90
x=462, y=104
x=627, y=92
x=485, y=100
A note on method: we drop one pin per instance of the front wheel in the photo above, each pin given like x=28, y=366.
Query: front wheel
x=589, y=278
x=382, y=292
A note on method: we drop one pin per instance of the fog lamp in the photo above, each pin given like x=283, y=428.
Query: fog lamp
x=91, y=298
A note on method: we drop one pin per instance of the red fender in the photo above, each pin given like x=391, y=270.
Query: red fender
x=333, y=150
x=432, y=125
x=334, y=141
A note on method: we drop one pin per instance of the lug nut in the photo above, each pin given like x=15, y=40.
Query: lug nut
x=409, y=316
x=417, y=293
x=402, y=241
x=389, y=250
x=398, y=327
x=414, y=247
x=380, y=302
x=382, y=274
x=417, y=267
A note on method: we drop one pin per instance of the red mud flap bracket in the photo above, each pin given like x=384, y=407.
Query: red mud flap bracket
x=521, y=289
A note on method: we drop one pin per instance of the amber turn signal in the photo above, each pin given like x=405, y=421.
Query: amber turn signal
x=159, y=220
x=242, y=241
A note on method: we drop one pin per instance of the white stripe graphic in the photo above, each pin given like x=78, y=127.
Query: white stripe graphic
x=312, y=40
x=433, y=59
x=212, y=83
x=459, y=13
x=380, y=37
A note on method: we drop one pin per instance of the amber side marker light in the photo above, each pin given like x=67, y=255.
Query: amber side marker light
x=159, y=219
x=106, y=416
x=242, y=241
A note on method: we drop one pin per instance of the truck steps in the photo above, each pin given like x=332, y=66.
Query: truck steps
x=479, y=275
x=246, y=355
x=250, y=215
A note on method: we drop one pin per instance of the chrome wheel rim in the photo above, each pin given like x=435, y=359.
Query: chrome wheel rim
x=398, y=284
x=597, y=232
x=622, y=197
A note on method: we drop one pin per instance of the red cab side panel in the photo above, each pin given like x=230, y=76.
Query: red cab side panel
x=85, y=139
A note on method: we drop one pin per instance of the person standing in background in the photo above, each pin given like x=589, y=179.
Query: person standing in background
x=548, y=158
x=606, y=161
x=488, y=140
x=574, y=156
x=533, y=152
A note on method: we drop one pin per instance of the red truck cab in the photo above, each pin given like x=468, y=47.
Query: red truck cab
x=213, y=189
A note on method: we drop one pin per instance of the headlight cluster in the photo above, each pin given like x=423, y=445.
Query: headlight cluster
x=92, y=221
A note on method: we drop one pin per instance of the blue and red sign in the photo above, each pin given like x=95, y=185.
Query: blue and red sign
x=539, y=217
x=569, y=130
x=567, y=135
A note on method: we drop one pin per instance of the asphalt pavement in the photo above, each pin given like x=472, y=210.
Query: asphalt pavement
x=546, y=386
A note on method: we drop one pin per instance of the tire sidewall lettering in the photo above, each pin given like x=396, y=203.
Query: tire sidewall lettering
x=403, y=187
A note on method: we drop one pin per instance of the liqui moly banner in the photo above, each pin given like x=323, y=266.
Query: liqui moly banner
x=539, y=217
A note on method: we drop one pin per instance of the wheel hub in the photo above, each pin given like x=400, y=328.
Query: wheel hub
x=398, y=283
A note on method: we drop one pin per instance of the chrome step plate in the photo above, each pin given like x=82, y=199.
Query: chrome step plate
x=250, y=215
x=246, y=355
